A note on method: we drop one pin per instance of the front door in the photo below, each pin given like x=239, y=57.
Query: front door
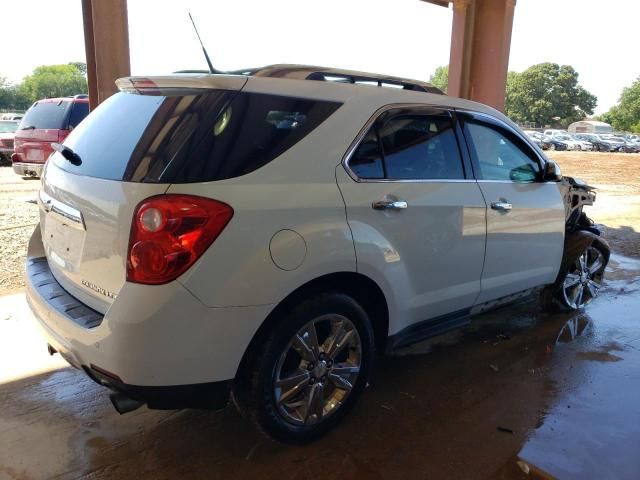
x=417, y=217
x=525, y=215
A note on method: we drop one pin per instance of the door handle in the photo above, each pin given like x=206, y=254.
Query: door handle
x=502, y=205
x=389, y=205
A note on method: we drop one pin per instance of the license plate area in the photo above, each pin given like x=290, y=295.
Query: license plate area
x=63, y=240
x=35, y=155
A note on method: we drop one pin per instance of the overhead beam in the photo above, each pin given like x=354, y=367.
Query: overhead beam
x=106, y=34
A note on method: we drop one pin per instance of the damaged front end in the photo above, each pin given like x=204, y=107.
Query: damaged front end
x=586, y=252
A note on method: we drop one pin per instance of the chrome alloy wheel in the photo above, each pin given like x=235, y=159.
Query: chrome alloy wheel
x=317, y=370
x=585, y=279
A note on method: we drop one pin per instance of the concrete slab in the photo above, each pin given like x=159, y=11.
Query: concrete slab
x=557, y=393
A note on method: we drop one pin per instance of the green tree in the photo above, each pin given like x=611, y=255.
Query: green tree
x=626, y=114
x=48, y=81
x=440, y=78
x=547, y=92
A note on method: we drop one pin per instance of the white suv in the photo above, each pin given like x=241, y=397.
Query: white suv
x=266, y=233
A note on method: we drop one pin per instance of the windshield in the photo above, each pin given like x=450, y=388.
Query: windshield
x=46, y=115
x=8, y=126
x=563, y=137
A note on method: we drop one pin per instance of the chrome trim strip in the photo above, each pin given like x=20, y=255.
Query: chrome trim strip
x=51, y=205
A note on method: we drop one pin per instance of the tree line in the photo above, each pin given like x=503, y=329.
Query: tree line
x=550, y=94
x=45, y=81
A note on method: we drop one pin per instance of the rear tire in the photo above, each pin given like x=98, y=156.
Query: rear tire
x=310, y=371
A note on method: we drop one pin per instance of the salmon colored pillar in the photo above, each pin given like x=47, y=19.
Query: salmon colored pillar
x=106, y=39
x=480, y=42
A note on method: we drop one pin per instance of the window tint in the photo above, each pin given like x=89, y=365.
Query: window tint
x=420, y=147
x=498, y=157
x=79, y=110
x=252, y=130
x=46, y=115
x=366, y=161
x=189, y=136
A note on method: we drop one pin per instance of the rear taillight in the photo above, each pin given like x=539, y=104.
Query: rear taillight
x=169, y=233
x=62, y=134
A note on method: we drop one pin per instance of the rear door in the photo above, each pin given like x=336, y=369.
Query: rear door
x=417, y=216
x=525, y=215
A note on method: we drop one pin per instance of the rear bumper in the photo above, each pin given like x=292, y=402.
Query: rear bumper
x=154, y=340
x=208, y=396
x=28, y=169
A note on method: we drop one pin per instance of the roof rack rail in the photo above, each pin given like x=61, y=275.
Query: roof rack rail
x=309, y=72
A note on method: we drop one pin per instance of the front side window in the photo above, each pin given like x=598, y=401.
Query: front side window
x=497, y=156
x=409, y=147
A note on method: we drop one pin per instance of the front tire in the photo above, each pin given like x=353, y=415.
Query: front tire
x=310, y=371
x=580, y=281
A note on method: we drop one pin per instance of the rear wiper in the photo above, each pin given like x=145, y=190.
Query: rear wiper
x=30, y=127
x=67, y=153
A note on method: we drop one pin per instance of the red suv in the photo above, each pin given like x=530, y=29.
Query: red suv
x=47, y=121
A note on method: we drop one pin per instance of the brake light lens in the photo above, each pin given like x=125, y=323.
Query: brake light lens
x=62, y=134
x=169, y=233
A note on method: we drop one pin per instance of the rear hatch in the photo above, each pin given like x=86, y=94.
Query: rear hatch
x=126, y=146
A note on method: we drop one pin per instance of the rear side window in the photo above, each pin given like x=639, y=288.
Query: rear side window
x=421, y=147
x=190, y=136
x=250, y=132
x=366, y=161
x=79, y=110
x=46, y=115
x=409, y=147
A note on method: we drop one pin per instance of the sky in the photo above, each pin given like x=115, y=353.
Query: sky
x=407, y=38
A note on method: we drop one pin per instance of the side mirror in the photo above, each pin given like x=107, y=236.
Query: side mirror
x=552, y=172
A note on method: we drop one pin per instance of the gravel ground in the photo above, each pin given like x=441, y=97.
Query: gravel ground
x=18, y=217
x=616, y=176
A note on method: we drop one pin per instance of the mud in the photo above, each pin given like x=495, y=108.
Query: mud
x=555, y=405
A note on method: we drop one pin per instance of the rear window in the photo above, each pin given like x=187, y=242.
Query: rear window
x=79, y=110
x=191, y=136
x=46, y=115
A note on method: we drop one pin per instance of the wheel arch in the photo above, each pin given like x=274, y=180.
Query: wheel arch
x=358, y=286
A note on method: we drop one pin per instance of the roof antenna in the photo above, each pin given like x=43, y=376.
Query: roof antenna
x=204, y=50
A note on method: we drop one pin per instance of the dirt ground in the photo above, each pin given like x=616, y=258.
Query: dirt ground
x=616, y=175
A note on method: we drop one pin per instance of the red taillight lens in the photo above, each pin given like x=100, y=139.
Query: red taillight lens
x=169, y=233
x=62, y=134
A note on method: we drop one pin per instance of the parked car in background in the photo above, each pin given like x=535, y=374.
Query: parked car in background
x=12, y=116
x=599, y=144
x=47, y=121
x=539, y=139
x=201, y=235
x=553, y=131
x=7, y=133
x=568, y=140
x=618, y=144
x=555, y=143
x=584, y=145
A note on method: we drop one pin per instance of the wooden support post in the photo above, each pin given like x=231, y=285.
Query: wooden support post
x=106, y=33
